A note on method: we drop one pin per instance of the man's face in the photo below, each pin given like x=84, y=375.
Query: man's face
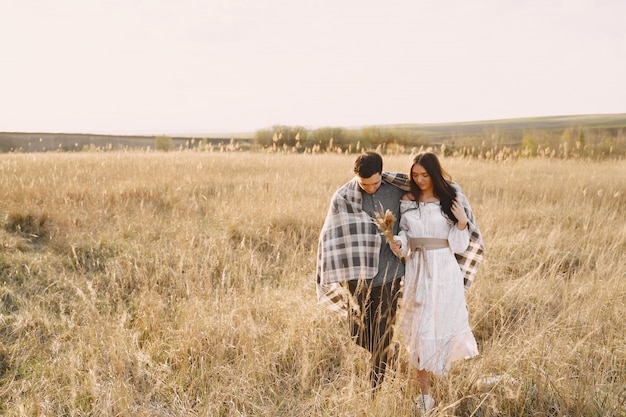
x=371, y=184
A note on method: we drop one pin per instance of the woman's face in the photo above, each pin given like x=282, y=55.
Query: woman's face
x=421, y=178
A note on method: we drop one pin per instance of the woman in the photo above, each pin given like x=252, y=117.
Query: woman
x=434, y=226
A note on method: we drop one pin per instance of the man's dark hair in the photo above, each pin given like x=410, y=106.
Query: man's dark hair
x=368, y=164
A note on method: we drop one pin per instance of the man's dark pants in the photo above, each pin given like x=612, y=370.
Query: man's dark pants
x=372, y=329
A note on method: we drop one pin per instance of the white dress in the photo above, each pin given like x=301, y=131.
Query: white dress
x=434, y=324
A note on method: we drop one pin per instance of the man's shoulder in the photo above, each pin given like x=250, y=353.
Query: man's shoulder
x=397, y=179
x=347, y=192
x=391, y=191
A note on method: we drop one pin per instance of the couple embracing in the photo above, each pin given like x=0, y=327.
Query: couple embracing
x=429, y=260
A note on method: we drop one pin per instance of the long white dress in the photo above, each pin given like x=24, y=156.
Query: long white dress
x=434, y=326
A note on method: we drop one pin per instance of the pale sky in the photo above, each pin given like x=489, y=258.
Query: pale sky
x=202, y=66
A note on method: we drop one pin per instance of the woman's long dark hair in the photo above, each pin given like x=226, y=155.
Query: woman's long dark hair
x=442, y=182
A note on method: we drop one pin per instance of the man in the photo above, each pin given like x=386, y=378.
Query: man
x=357, y=273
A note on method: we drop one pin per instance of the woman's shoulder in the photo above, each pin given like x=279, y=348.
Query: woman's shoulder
x=456, y=187
x=408, y=197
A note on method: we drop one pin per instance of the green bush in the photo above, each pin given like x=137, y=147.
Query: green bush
x=163, y=143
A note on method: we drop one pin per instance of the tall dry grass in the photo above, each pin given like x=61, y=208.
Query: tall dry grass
x=181, y=284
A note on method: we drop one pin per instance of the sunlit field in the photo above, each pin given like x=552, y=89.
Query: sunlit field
x=182, y=284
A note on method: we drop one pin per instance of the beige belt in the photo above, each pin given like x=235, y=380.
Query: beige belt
x=420, y=245
x=427, y=243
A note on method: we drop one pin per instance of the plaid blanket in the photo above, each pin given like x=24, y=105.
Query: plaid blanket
x=470, y=260
x=348, y=250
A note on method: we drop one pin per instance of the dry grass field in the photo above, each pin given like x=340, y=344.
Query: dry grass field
x=182, y=284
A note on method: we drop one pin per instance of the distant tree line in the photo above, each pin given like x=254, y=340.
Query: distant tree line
x=299, y=138
x=578, y=142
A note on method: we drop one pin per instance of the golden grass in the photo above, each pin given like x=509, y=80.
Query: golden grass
x=182, y=284
x=384, y=221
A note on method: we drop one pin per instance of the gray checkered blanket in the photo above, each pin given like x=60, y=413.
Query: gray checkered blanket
x=347, y=249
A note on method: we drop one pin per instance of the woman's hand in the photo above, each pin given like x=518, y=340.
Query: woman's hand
x=459, y=213
x=396, y=247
